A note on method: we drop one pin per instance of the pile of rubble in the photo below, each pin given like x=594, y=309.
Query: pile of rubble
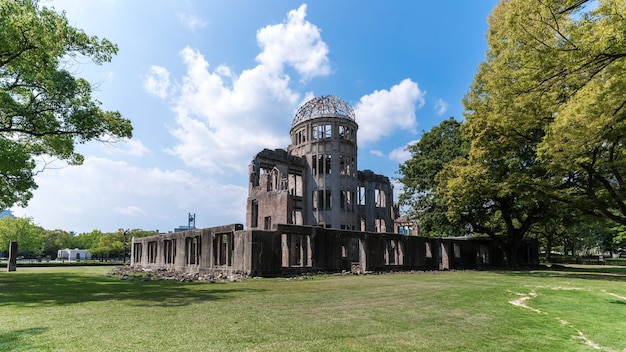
x=128, y=273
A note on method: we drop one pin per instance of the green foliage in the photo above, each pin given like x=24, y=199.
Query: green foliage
x=44, y=110
x=554, y=75
x=108, y=245
x=620, y=235
x=546, y=120
x=436, y=148
x=24, y=231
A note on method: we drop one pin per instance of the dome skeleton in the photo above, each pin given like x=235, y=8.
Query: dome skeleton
x=328, y=105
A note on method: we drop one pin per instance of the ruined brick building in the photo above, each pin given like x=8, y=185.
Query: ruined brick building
x=315, y=180
x=310, y=209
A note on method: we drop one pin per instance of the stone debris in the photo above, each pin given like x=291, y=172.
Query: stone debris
x=143, y=275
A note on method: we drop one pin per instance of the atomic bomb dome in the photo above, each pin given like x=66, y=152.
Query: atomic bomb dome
x=324, y=106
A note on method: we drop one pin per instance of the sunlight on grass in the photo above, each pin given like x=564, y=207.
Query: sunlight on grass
x=48, y=309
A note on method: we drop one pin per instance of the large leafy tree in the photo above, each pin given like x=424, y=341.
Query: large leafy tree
x=545, y=116
x=44, y=110
x=584, y=144
x=497, y=188
x=24, y=231
x=437, y=147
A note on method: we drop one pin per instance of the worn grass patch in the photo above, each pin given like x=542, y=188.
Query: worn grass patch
x=81, y=308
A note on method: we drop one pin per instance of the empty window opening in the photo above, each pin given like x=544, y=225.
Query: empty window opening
x=296, y=217
x=223, y=246
x=328, y=200
x=267, y=223
x=192, y=250
x=254, y=214
x=392, y=252
x=361, y=195
x=296, y=250
x=152, y=251
x=295, y=185
x=327, y=164
x=380, y=198
x=428, y=253
x=137, y=249
x=169, y=251
x=457, y=250
x=380, y=225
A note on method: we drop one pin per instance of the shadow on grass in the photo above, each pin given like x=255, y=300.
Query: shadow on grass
x=47, y=289
x=10, y=340
x=598, y=272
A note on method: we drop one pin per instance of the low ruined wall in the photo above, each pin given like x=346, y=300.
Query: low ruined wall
x=293, y=249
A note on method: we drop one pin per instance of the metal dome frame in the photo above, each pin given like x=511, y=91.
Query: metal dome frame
x=328, y=105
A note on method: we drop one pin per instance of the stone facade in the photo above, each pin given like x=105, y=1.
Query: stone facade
x=315, y=180
x=294, y=249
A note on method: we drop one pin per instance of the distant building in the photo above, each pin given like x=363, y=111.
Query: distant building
x=73, y=254
x=191, y=224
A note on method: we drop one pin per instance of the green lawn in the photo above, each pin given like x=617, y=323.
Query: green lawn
x=83, y=309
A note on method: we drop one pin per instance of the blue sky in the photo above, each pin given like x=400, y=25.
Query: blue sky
x=208, y=84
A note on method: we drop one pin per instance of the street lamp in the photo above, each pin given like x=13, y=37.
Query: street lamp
x=125, y=233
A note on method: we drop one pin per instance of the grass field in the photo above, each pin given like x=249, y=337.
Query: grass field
x=83, y=309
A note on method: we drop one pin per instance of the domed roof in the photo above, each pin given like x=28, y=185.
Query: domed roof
x=328, y=105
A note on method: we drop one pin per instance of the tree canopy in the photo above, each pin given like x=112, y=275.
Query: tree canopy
x=44, y=110
x=545, y=120
x=24, y=231
x=437, y=147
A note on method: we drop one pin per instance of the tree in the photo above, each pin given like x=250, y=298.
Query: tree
x=546, y=117
x=436, y=148
x=584, y=145
x=52, y=241
x=24, y=231
x=44, y=110
x=560, y=68
x=496, y=189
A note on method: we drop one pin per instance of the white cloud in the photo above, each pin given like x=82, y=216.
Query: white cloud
x=129, y=210
x=401, y=154
x=381, y=113
x=223, y=119
x=441, y=106
x=295, y=42
x=106, y=195
x=157, y=81
x=377, y=153
x=191, y=21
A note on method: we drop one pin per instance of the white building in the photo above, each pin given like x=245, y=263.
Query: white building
x=73, y=254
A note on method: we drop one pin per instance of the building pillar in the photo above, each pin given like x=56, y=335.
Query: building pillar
x=362, y=255
x=12, y=265
x=445, y=256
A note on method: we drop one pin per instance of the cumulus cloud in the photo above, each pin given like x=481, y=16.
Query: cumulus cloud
x=157, y=81
x=295, y=42
x=224, y=118
x=381, y=113
x=401, y=154
x=106, y=195
x=441, y=107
